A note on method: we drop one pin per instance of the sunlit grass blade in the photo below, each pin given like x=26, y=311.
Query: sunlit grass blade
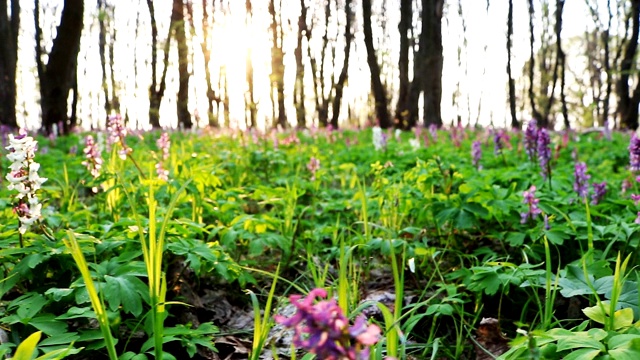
x=76, y=252
x=261, y=326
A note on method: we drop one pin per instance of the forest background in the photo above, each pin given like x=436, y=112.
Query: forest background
x=348, y=63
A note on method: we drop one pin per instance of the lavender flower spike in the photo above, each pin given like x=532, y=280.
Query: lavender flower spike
x=581, y=183
x=634, y=153
x=322, y=329
x=93, y=161
x=531, y=139
x=599, y=191
x=476, y=153
x=544, y=152
x=24, y=178
x=529, y=198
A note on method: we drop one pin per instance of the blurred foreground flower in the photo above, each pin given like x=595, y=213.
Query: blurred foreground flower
x=634, y=153
x=93, y=161
x=531, y=200
x=322, y=329
x=531, y=139
x=117, y=133
x=544, y=152
x=599, y=191
x=476, y=154
x=581, y=183
x=24, y=178
x=379, y=138
x=313, y=166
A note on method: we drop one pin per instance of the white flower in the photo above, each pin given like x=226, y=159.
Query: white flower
x=415, y=143
x=397, y=134
x=379, y=138
x=24, y=178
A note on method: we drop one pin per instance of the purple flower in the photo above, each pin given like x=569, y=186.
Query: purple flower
x=581, y=183
x=117, y=133
x=476, y=153
x=634, y=153
x=637, y=220
x=529, y=198
x=497, y=142
x=93, y=161
x=313, y=166
x=635, y=198
x=433, y=130
x=322, y=329
x=164, y=144
x=531, y=139
x=544, y=152
x=599, y=191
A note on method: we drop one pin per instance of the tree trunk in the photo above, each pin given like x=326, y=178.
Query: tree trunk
x=184, y=116
x=560, y=59
x=427, y=73
x=607, y=66
x=56, y=79
x=406, y=17
x=532, y=62
x=298, y=89
x=512, y=83
x=156, y=90
x=627, y=101
x=339, y=87
x=249, y=102
x=277, y=61
x=206, y=52
x=379, y=91
x=9, y=27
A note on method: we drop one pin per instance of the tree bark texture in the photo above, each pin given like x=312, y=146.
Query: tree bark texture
x=339, y=87
x=57, y=77
x=184, y=116
x=378, y=88
x=628, y=99
x=406, y=17
x=9, y=27
x=277, y=62
x=512, y=83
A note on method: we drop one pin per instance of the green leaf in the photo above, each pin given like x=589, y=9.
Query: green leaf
x=27, y=348
x=595, y=313
x=582, y=354
x=122, y=290
x=623, y=347
x=48, y=324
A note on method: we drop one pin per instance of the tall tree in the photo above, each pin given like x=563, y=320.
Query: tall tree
x=57, y=76
x=404, y=27
x=207, y=24
x=378, y=88
x=512, y=83
x=427, y=66
x=560, y=62
x=532, y=60
x=9, y=27
x=339, y=87
x=157, y=88
x=106, y=33
x=251, y=108
x=298, y=89
x=177, y=17
x=277, y=61
x=319, y=71
x=629, y=99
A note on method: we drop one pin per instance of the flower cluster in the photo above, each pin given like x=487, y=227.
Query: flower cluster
x=497, y=142
x=634, y=153
x=433, y=131
x=24, y=178
x=379, y=138
x=544, y=152
x=163, y=144
x=323, y=330
x=117, y=133
x=476, y=153
x=531, y=139
x=599, y=191
x=93, y=161
x=313, y=166
x=581, y=183
x=529, y=198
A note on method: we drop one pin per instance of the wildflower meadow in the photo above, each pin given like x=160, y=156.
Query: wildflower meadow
x=450, y=243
